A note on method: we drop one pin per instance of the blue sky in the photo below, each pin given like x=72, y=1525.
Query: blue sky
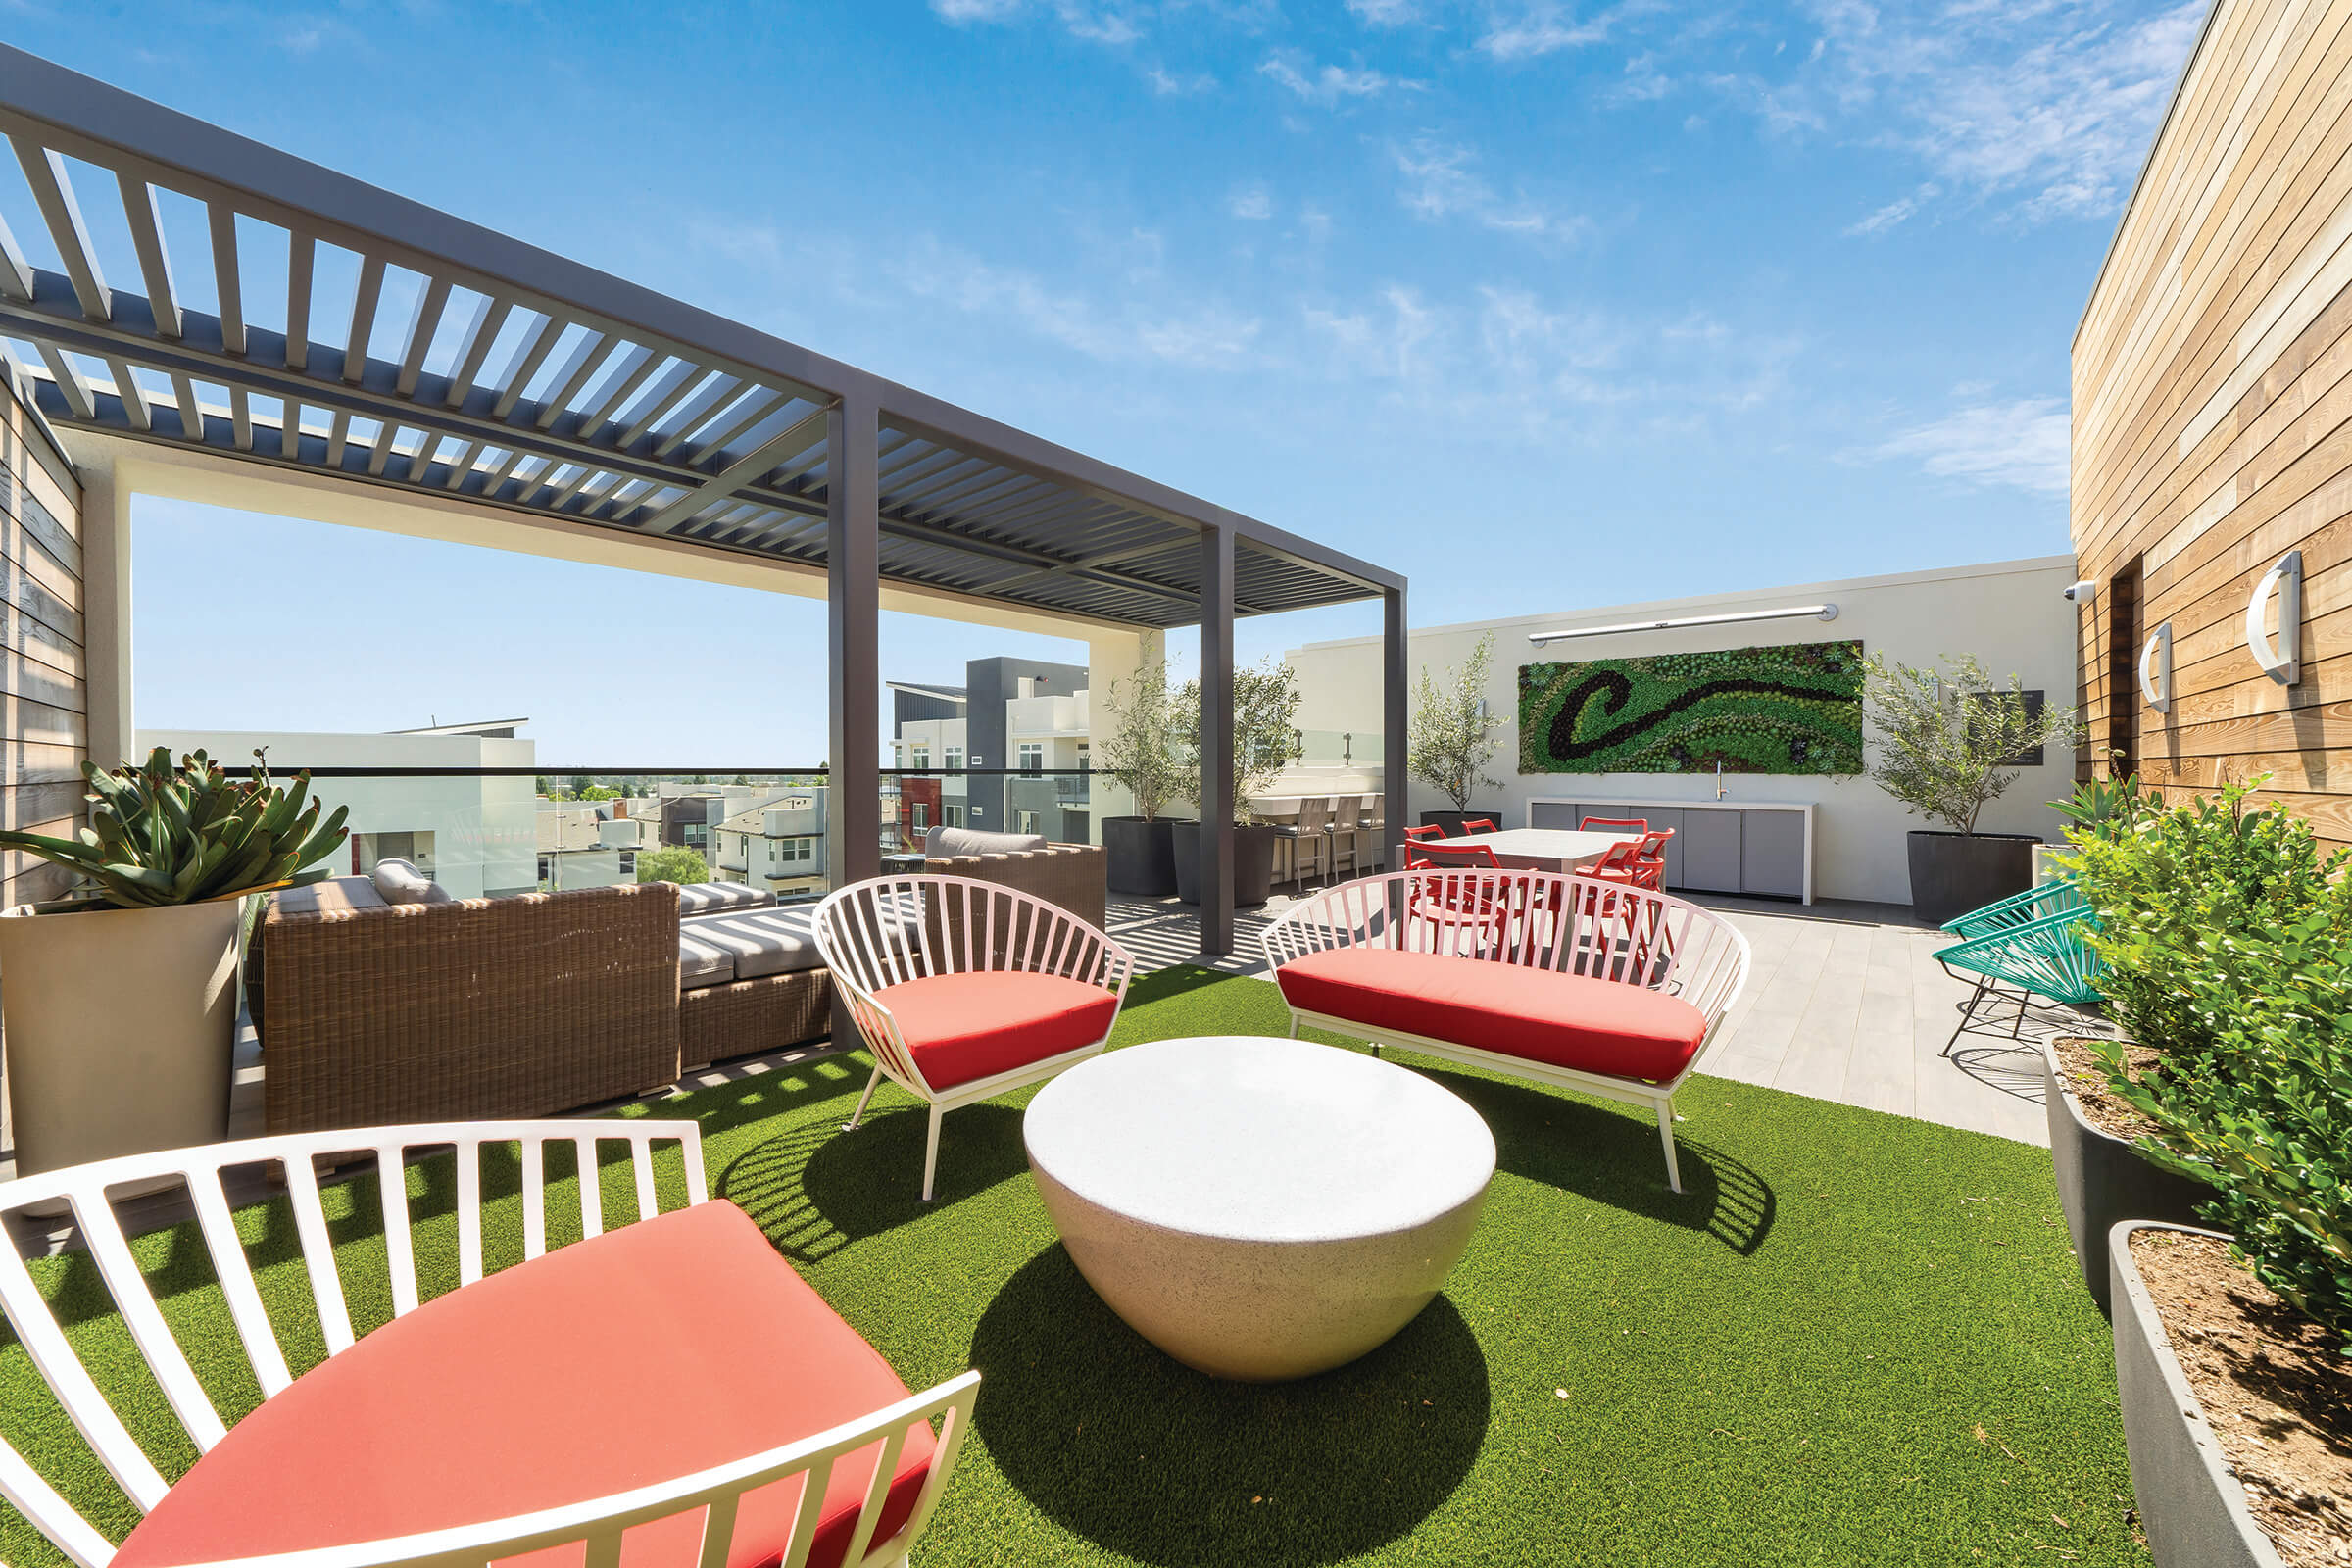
x=1548, y=305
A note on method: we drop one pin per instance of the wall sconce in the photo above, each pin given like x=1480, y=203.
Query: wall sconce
x=2156, y=669
x=2283, y=663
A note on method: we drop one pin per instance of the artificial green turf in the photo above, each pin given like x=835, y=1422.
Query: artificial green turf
x=1856, y=1339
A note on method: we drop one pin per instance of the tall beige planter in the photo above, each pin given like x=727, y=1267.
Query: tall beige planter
x=118, y=1026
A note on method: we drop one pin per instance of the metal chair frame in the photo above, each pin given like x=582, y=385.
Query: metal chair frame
x=1570, y=924
x=877, y=934
x=2044, y=957
x=595, y=1525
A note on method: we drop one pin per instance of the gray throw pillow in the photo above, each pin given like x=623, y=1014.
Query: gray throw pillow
x=399, y=882
x=950, y=840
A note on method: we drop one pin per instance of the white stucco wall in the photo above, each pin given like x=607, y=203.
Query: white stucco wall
x=2009, y=613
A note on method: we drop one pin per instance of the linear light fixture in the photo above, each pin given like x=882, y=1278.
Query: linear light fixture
x=1794, y=612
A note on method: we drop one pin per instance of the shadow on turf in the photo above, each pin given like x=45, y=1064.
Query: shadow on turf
x=1615, y=1159
x=814, y=1188
x=1115, y=1441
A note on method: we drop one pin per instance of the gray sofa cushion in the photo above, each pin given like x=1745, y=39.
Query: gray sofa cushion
x=745, y=945
x=334, y=895
x=399, y=882
x=945, y=842
x=710, y=897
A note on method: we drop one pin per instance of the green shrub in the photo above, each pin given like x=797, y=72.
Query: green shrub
x=672, y=864
x=2227, y=944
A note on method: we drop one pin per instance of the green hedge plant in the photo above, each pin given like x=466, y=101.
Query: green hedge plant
x=165, y=834
x=2228, y=943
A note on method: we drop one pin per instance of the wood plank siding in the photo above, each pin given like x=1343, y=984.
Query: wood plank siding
x=43, y=674
x=2213, y=418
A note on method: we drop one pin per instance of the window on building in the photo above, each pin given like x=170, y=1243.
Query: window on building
x=921, y=757
x=952, y=815
x=1033, y=757
x=919, y=815
x=796, y=851
x=955, y=759
x=1028, y=822
x=1086, y=757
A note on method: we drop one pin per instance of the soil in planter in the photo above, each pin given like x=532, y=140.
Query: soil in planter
x=2086, y=1078
x=2277, y=1390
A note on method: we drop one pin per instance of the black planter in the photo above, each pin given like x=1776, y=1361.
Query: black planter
x=2103, y=1181
x=2191, y=1504
x=1140, y=856
x=1253, y=864
x=1952, y=873
x=1452, y=821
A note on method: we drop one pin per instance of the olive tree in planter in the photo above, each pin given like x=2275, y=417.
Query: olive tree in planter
x=1144, y=754
x=1949, y=744
x=1452, y=736
x=1265, y=742
x=120, y=1001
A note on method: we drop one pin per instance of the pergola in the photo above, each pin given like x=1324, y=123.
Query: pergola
x=526, y=383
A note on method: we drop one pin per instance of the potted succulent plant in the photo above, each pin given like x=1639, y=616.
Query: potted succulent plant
x=1452, y=737
x=119, y=1001
x=2227, y=939
x=1265, y=742
x=1949, y=744
x=1142, y=755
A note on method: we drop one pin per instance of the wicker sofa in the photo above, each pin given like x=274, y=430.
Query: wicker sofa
x=1070, y=876
x=376, y=1011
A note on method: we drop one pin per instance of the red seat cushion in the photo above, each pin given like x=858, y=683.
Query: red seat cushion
x=966, y=1026
x=1565, y=1020
x=647, y=1354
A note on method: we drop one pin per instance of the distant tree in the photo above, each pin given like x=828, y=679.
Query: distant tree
x=672, y=864
x=597, y=792
x=539, y=786
x=743, y=779
x=700, y=778
x=1452, y=733
x=579, y=784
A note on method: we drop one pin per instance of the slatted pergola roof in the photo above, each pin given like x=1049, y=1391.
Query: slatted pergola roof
x=165, y=280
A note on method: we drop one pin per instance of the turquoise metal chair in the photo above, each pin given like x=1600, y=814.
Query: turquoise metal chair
x=2040, y=956
x=2040, y=902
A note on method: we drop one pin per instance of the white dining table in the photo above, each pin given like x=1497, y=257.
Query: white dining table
x=1543, y=848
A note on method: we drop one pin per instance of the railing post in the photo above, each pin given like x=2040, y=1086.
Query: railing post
x=1394, y=685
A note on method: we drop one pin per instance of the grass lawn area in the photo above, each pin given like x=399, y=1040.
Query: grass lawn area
x=1856, y=1339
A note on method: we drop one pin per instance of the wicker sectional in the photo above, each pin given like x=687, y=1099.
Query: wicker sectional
x=372, y=1013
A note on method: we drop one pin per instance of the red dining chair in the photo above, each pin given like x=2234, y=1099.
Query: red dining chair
x=1478, y=824
x=1463, y=905
x=1650, y=860
x=1622, y=824
x=1428, y=832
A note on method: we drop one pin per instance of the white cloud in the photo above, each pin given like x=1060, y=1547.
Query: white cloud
x=1329, y=85
x=1439, y=183
x=1252, y=201
x=1106, y=22
x=1545, y=27
x=1173, y=86
x=1892, y=214
x=1385, y=13
x=2021, y=443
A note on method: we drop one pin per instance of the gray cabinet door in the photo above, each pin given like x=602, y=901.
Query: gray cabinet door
x=1772, y=854
x=1546, y=814
x=1710, y=842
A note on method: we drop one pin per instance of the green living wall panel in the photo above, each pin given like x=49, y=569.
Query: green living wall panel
x=1795, y=708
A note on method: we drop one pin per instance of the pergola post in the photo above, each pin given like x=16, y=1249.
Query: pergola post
x=1395, y=727
x=1216, y=742
x=852, y=620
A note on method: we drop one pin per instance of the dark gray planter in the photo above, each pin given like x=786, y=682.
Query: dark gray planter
x=1952, y=873
x=1140, y=855
x=1253, y=864
x=2191, y=1504
x=2103, y=1180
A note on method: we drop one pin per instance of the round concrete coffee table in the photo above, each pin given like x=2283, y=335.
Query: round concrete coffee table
x=1259, y=1208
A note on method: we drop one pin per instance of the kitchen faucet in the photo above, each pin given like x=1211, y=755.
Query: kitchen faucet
x=1718, y=781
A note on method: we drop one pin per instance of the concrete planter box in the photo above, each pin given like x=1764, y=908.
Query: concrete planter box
x=119, y=1025
x=2191, y=1504
x=2103, y=1180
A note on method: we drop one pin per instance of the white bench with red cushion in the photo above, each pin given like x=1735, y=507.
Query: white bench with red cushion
x=629, y=1390
x=964, y=988
x=1569, y=981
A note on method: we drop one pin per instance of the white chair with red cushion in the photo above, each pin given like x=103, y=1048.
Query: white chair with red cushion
x=669, y=1393
x=1613, y=990
x=964, y=988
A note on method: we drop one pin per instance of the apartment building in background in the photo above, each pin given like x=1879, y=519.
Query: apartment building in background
x=777, y=843
x=592, y=844
x=476, y=836
x=1011, y=715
